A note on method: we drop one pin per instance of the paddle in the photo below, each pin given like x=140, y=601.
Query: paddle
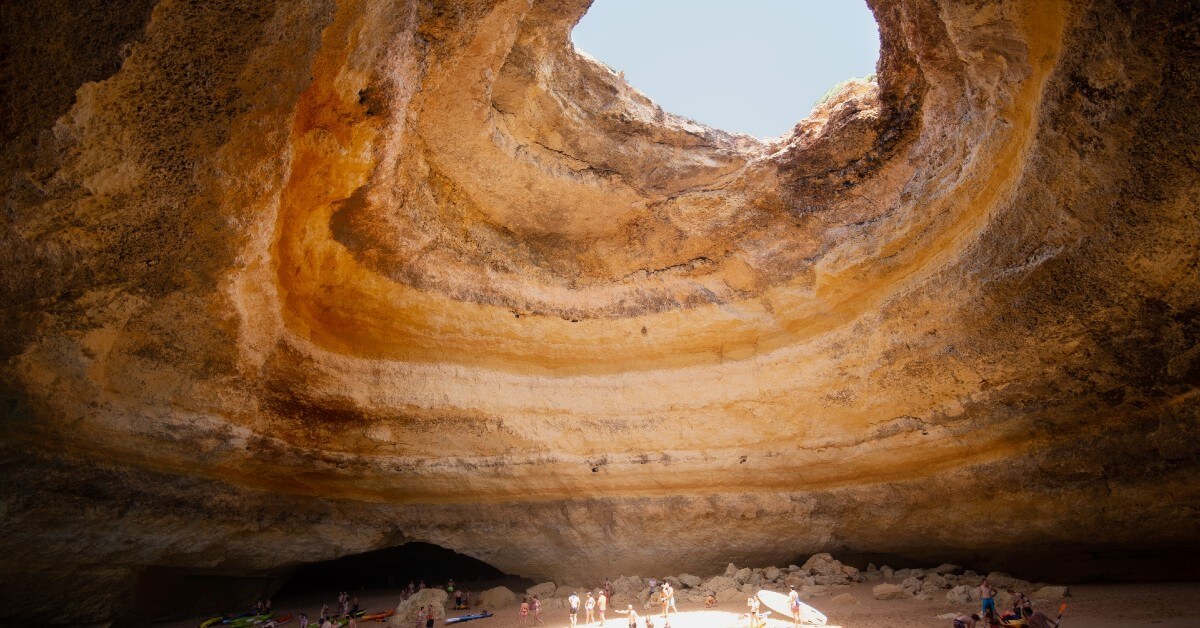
x=1062, y=608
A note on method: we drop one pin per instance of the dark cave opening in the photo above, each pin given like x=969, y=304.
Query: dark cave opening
x=391, y=567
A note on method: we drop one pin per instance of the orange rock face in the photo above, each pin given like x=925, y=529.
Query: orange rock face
x=287, y=281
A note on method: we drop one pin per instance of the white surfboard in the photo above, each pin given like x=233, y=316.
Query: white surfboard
x=778, y=602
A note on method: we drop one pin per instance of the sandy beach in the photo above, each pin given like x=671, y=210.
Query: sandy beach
x=1162, y=605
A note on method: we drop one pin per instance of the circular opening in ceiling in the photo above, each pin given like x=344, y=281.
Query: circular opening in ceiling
x=753, y=66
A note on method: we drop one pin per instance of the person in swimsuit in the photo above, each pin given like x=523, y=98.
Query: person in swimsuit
x=670, y=599
x=590, y=607
x=987, y=596
x=524, y=611
x=633, y=616
x=602, y=606
x=421, y=614
x=537, y=610
x=753, y=603
x=574, y=602
x=794, y=605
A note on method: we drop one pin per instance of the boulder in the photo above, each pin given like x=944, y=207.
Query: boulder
x=888, y=592
x=935, y=581
x=831, y=579
x=730, y=569
x=689, y=581
x=542, y=591
x=741, y=576
x=627, y=586
x=1001, y=580
x=872, y=576
x=406, y=613
x=756, y=579
x=911, y=586
x=844, y=598
x=793, y=568
x=719, y=583
x=823, y=564
x=675, y=583
x=816, y=590
x=772, y=573
x=946, y=568
x=1051, y=593
x=887, y=572
x=749, y=588
x=960, y=594
x=497, y=597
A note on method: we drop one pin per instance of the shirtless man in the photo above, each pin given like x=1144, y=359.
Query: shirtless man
x=794, y=606
x=987, y=595
x=573, y=601
x=633, y=616
x=590, y=607
x=602, y=606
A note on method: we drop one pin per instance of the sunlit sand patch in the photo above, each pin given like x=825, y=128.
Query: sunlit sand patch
x=699, y=619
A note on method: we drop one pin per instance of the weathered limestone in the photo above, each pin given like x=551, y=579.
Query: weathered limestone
x=287, y=281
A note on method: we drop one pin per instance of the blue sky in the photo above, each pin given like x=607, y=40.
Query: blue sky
x=753, y=66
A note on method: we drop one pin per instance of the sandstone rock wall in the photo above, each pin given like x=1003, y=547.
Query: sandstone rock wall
x=286, y=281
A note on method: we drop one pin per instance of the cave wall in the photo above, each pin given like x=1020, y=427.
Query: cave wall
x=290, y=281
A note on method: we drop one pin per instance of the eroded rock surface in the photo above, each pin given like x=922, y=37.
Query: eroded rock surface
x=286, y=281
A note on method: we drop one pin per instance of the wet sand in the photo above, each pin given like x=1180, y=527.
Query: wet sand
x=1160, y=605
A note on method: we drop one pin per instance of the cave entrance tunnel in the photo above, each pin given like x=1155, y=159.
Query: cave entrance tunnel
x=391, y=568
x=165, y=594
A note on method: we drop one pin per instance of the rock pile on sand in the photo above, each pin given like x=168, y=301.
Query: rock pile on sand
x=431, y=599
x=821, y=575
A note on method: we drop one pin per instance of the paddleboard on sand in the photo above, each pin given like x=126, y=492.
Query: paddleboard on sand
x=455, y=620
x=779, y=603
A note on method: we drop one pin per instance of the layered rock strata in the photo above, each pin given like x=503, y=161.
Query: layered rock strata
x=286, y=281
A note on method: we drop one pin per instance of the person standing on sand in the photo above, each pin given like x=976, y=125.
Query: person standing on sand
x=633, y=616
x=602, y=605
x=590, y=607
x=525, y=611
x=421, y=618
x=753, y=603
x=537, y=610
x=668, y=596
x=794, y=606
x=303, y=620
x=574, y=602
x=987, y=596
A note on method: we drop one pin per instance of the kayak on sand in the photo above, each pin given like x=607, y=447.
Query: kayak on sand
x=455, y=620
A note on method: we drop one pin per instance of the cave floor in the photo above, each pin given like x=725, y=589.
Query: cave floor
x=1162, y=605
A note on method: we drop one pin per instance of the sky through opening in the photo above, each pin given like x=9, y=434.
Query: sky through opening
x=749, y=66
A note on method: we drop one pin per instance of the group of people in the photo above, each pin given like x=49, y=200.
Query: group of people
x=989, y=617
